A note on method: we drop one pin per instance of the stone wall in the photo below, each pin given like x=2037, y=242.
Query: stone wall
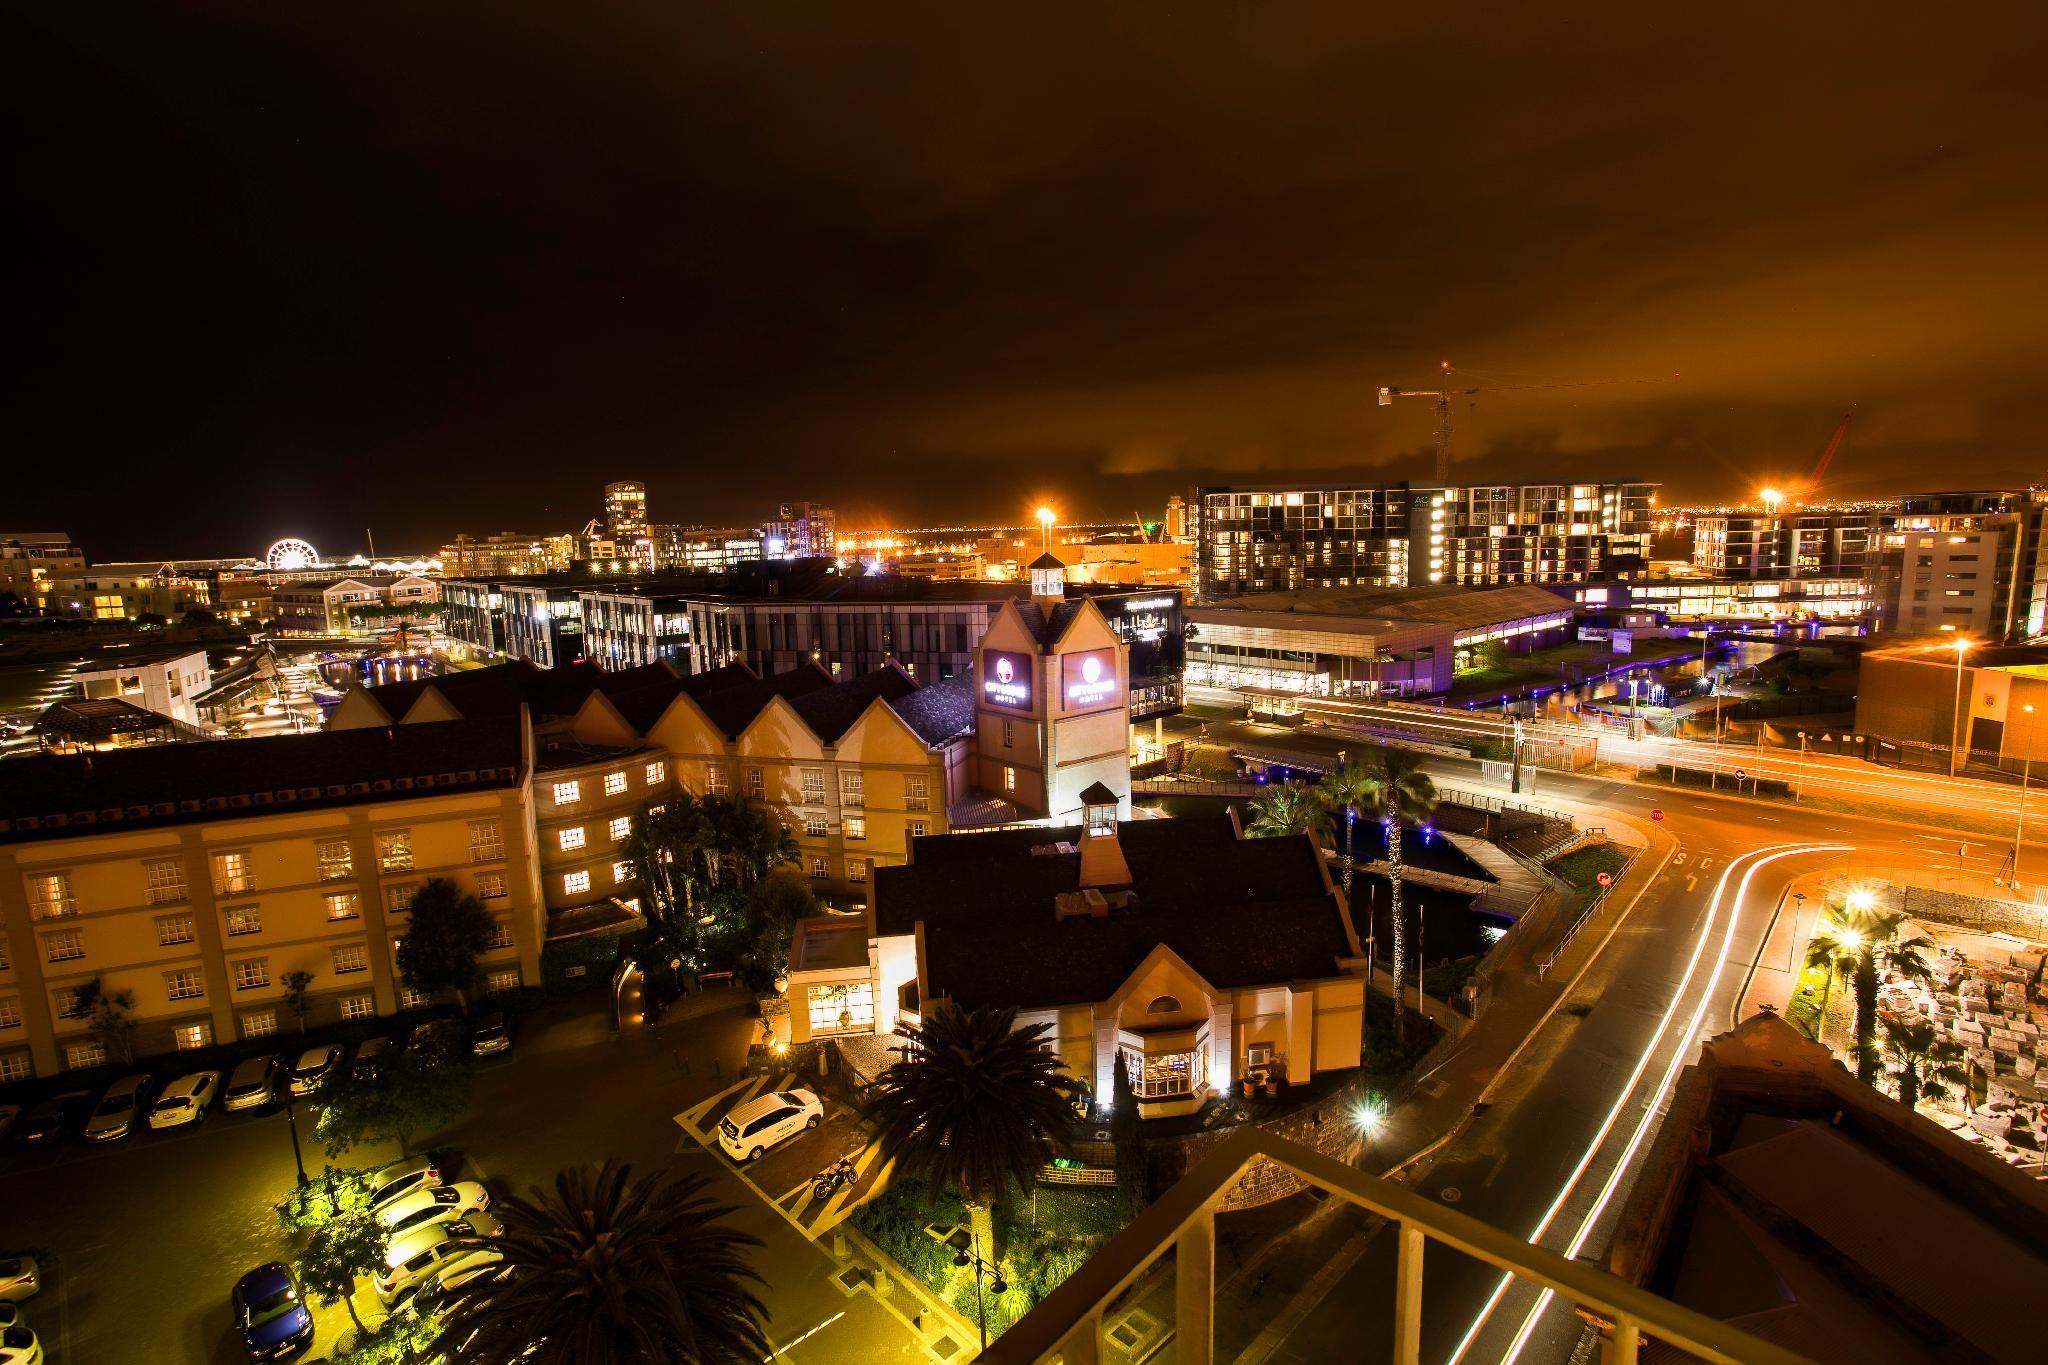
x=1980, y=913
x=1264, y=1182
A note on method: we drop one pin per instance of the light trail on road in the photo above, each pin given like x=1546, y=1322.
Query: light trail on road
x=1658, y=1037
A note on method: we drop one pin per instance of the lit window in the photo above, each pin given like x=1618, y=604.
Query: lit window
x=621, y=828
x=821, y=868
x=757, y=785
x=572, y=837
x=67, y=946
x=490, y=885
x=244, y=919
x=410, y=999
x=260, y=1024
x=232, y=874
x=856, y=827
x=621, y=873
x=358, y=1007
x=852, y=788
x=252, y=973
x=816, y=826
x=166, y=880
x=78, y=1056
x=399, y=898
x=49, y=896
x=1009, y=779
x=343, y=905
x=568, y=793
x=10, y=1012
x=575, y=883
x=843, y=1007
x=917, y=792
x=916, y=829
x=614, y=783
x=15, y=1067
x=714, y=780
x=814, y=786
x=486, y=841
x=394, y=850
x=351, y=957
x=185, y=985
x=173, y=929
x=337, y=863
x=190, y=1037
x=501, y=934
x=656, y=773
x=505, y=980
x=856, y=869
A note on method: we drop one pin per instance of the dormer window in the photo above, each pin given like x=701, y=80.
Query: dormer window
x=1163, y=1004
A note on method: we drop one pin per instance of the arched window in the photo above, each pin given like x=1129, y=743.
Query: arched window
x=1164, y=1004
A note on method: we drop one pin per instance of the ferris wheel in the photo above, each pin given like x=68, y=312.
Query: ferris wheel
x=291, y=553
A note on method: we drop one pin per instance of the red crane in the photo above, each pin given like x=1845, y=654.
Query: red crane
x=1827, y=457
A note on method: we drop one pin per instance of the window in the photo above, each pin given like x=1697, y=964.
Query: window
x=851, y=789
x=847, y=1007
x=232, y=874
x=856, y=869
x=166, y=880
x=337, y=862
x=814, y=786
x=15, y=1067
x=622, y=872
x=490, y=885
x=501, y=934
x=1009, y=779
x=575, y=883
x=410, y=999
x=252, y=973
x=78, y=1056
x=757, y=784
x=191, y=1036
x=6, y=958
x=259, y=1024
x=856, y=827
x=70, y=1003
x=1101, y=821
x=49, y=896
x=916, y=829
x=1009, y=734
x=399, y=898
x=816, y=826
x=243, y=919
x=10, y=1012
x=568, y=793
x=186, y=984
x=821, y=868
x=621, y=828
x=714, y=780
x=657, y=773
x=614, y=783
x=1166, y=1074
x=506, y=980
x=67, y=946
x=569, y=838
x=358, y=1007
x=344, y=905
x=917, y=791
x=394, y=850
x=351, y=957
x=486, y=841
x=173, y=929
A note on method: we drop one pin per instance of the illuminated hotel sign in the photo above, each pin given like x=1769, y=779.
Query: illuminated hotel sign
x=1006, y=679
x=1089, y=678
x=1144, y=620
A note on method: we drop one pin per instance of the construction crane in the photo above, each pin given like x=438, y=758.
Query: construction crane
x=1444, y=393
x=1827, y=457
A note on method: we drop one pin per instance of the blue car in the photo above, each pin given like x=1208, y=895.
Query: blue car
x=271, y=1314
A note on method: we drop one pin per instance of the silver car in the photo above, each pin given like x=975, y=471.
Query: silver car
x=252, y=1084
x=125, y=1102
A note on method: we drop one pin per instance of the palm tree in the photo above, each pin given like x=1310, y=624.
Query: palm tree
x=1861, y=946
x=975, y=1103
x=1924, y=1064
x=1349, y=790
x=612, y=1271
x=1396, y=791
x=1290, y=808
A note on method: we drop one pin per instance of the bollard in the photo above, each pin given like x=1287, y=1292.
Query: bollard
x=840, y=1250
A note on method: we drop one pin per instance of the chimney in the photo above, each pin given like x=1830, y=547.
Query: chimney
x=1102, y=857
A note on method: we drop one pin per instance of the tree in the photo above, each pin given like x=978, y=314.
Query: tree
x=608, y=1270
x=1124, y=1134
x=975, y=1103
x=108, y=1014
x=420, y=1089
x=1396, y=791
x=1924, y=1064
x=1858, y=945
x=1349, y=790
x=341, y=1250
x=335, y=1192
x=199, y=616
x=1287, y=809
x=774, y=906
x=448, y=933
x=296, y=988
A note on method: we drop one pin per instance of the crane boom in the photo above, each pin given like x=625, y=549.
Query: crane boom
x=1444, y=395
x=1827, y=457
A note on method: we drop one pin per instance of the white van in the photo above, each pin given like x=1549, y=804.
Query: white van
x=761, y=1123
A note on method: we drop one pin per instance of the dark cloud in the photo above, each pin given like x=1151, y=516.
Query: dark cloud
x=435, y=267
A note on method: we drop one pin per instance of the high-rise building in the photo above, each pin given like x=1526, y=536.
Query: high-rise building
x=506, y=553
x=801, y=530
x=1274, y=538
x=1787, y=545
x=625, y=509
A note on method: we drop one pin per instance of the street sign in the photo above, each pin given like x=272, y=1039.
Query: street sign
x=1740, y=775
x=1605, y=879
x=1657, y=814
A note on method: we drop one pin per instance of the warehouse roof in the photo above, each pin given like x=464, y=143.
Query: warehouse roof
x=1384, y=608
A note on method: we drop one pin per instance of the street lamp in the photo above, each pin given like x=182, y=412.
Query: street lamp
x=1045, y=520
x=1955, y=745
x=291, y=1119
x=2026, y=776
x=972, y=1257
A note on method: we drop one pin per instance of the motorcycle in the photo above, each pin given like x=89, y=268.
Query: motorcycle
x=832, y=1179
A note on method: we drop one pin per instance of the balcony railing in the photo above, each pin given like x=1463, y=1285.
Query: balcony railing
x=1067, y=1325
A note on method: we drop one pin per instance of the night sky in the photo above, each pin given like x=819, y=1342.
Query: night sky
x=309, y=268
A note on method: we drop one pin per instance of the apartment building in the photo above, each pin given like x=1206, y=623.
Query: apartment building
x=27, y=558
x=801, y=530
x=1968, y=563
x=636, y=624
x=197, y=877
x=1272, y=538
x=364, y=604
x=115, y=592
x=505, y=554
x=163, y=680
x=1748, y=545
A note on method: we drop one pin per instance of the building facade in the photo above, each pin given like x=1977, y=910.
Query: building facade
x=627, y=627
x=801, y=530
x=163, y=681
x=506, y=554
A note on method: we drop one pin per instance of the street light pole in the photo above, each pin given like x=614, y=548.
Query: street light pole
x=291, y=1119
x=1955, y=738
x=972, y=1257
x=2026, y=776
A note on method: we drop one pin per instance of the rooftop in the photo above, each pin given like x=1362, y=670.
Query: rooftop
x=830, y=945
x=1440, y=604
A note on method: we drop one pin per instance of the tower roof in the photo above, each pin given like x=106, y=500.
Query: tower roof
x=1048, y=561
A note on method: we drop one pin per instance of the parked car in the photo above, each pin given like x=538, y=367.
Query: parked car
x=434, y=1294
x=437, y=1038
x=20, y=1278
x=125, y=1102
x=314, y=1067
x=9, y=1113
x=271, y=1314
x=49, y=1122
x=425, y=1204
x=370, y=1056
x=416, y=1254
x=402, y=1177
x=10, y=1313
x=18, y=1346
x=252, y=1084
x=761, y=1123
x=493, y=1035
x=185, y=1100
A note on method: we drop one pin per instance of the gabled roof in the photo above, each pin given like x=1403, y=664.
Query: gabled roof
x=939, y=712
x=733, y=709
x=44, y=796
x=502, y=689
x=830, y=713
x=1048, y=560
x=641, y=706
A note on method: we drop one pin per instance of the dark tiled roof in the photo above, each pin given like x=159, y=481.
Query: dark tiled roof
x=643, y=705
x=938, y=712
x=503, y=688
x=181, y=783
x=1097, y=794
x=1241, y=912
x=733, y=709
x=831, y=712
x=1048, y=629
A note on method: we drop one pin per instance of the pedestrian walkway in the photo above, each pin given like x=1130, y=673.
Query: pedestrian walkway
x=1515, y=883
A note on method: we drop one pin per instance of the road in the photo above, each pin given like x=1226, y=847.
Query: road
x=1552, y=1155
x=146, y=1238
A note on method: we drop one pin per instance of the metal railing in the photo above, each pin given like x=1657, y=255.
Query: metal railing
x=1067, y=1325
x=1586, y=917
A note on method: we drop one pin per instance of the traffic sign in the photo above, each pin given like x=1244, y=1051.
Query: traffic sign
x=1657, y=814
x=1741, y=775
x=1605, y=879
